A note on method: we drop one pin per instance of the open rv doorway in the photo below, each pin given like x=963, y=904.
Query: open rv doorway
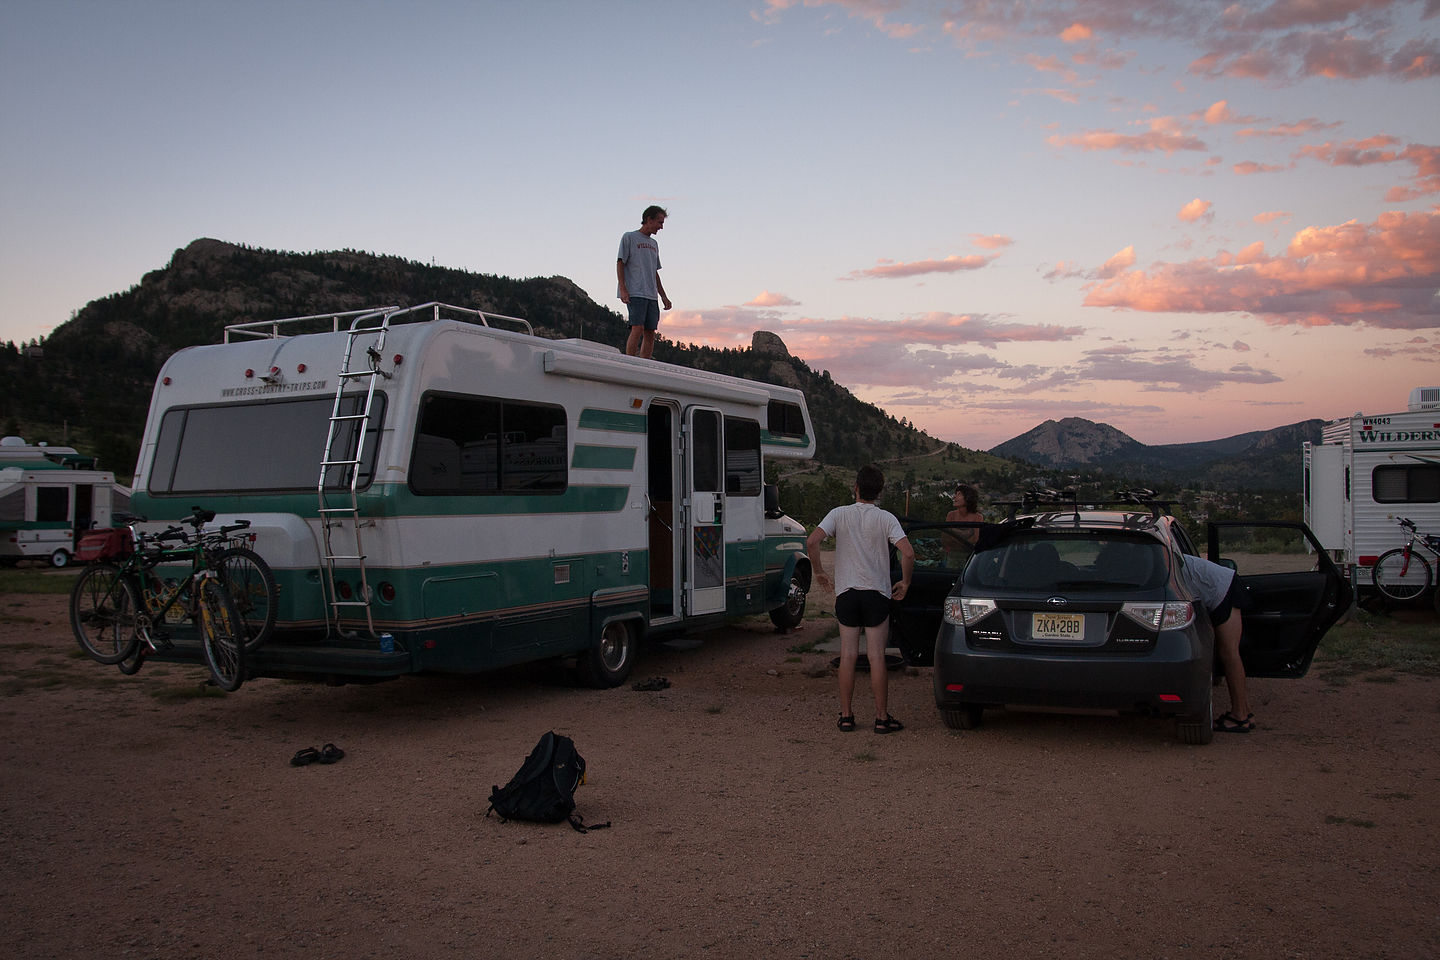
x=662, y=429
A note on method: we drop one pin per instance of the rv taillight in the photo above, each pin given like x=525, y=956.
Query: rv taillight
x=1170, y=698
x=274, y=370
x=300, y=368
x=249, y=374
x=166, y=381
x=399, y=359
x=387, y=592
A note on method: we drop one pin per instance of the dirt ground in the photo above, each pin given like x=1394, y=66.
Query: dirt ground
x=140, y=820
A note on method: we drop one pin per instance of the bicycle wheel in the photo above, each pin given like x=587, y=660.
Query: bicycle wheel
x=222, y=635
x=1401, y=574
x=252, y=587
x=104, y=613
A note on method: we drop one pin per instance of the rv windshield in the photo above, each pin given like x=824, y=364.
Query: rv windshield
x=267, y=446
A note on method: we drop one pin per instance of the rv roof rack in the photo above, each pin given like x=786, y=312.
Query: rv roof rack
x=369, y=317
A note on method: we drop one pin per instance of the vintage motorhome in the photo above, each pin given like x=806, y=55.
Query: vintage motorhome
x=49, y=497
x=439, y=489
x=1369, y=469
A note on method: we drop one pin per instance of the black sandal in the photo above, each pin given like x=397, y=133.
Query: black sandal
x=846, y=722
x=888, y=725
x=1227, y=722
x=304, y=757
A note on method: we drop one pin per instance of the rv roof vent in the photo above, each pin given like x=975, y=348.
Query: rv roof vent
x=1425, y=398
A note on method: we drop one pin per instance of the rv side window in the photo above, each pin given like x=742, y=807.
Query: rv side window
x=1406, y=483
x=785, y=419
x=742, y=458
x=253, y=447
x=480, y=445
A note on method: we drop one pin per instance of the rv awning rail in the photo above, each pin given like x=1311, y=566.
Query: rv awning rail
x=371, y=317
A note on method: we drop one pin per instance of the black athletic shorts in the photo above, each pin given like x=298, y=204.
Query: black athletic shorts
x=862, y=608
x=1237, y=597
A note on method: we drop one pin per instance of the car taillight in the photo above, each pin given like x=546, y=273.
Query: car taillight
x=1161, y=616
x=963, y=611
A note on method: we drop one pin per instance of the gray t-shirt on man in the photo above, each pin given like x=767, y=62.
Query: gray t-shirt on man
x=641, y=256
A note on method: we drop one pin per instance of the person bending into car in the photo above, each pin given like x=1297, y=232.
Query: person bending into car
x=1224, y=595
x=863, y=590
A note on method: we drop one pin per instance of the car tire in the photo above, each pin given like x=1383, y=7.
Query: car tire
x=1198, y=729
x=968, y=717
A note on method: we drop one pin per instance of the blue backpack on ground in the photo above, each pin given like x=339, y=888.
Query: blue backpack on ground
x=543, y=790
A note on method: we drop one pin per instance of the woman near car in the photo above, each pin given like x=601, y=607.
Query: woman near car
x=967, y=510
x=1224, y=595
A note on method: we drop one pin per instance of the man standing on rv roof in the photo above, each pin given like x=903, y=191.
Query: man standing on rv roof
x=637, y=269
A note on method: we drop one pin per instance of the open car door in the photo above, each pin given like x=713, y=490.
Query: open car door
x=942, y=549
x=1298, y=592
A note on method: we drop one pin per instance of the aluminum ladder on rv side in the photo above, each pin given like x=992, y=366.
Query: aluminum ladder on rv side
x=344, y=450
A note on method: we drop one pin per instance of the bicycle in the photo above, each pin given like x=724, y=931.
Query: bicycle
x=121, y=611
x=1402, y=573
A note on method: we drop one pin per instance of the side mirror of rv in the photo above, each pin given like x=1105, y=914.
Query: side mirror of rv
x=772, y=500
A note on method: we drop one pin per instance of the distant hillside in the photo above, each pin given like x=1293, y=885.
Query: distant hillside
x=1260, y=460
x=92, y=385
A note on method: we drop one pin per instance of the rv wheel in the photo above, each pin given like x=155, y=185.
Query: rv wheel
x=792, y=613
x=60, y=558
x=607, y=663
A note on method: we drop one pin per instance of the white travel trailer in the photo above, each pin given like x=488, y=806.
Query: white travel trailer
x=439, y=492
x=1366, y=471
x=49, y=497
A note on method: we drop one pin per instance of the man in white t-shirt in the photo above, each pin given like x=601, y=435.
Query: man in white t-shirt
x=863, y=590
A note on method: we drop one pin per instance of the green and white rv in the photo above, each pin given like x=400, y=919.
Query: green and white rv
x=438, y=489
x=49, y=497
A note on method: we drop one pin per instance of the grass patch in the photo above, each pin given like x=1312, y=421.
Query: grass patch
x=1369, y=644
x=37, y=580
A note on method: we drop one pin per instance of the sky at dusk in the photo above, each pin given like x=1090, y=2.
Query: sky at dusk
x=1182, y=218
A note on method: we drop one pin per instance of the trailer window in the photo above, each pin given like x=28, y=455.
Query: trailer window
x=742, y=458
x=785, y=419
x=483, y=445
x=1406, y=483
x=253, y=447
x=52, y=504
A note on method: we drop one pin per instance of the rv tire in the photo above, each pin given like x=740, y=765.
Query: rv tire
x=60, y=558
x=790, y=615
x=607, y=662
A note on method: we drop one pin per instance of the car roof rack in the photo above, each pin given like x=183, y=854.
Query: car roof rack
x=1070, y=499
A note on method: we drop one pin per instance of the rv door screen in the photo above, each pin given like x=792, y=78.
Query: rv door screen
x=704, y=520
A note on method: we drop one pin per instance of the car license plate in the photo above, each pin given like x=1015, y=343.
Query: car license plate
x=1057, y=626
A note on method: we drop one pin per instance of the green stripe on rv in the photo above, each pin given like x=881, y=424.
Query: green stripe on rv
x=591, y=419
x=590, y=457
x=390, y=500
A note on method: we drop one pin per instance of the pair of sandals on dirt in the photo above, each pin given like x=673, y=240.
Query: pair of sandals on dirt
x=326, y=754
x=1227, y=722
x=887, y=724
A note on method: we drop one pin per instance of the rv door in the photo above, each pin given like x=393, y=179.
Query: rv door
x=704, y=513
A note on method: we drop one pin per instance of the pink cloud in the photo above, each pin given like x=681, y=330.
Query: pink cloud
x=1196, y=209
x=768, y=299
x=893, y=270
x=1075, y=33
x=1164, y=135
x=992, y=241
x=1270, y=216
x=1299, y=128
x=1385, y=273
x=1247, y=168
x=1382, y=149
x=1117, y=264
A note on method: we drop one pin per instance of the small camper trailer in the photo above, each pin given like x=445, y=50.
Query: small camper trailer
x=1369, y=469
x=49, y=497
x=438, y=489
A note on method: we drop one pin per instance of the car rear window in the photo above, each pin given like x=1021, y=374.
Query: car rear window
x=1040, y=560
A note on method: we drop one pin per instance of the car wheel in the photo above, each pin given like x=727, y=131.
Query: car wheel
x=968, y=717
x=1198, y=728
x=60, y=558
x=608, y=661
